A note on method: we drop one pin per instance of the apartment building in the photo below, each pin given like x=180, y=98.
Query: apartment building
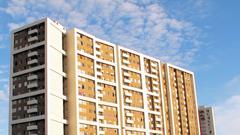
x=207, y=122
x=73, y=83
x=37, y=94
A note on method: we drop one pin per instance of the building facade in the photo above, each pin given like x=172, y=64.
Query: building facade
x=72, y=83
x=207, y=122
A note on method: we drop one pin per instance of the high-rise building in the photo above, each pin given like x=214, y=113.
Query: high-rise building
x=37, y=93
x=72, y=83
x=206, y=118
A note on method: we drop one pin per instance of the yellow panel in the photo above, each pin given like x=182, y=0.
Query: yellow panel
x=134, y=79
x=87, y=110
x=151, y=66
x=137, y=119
x=106, y=52
x=109, y=113
x=85, y=65
x=136, y=98
x=129, y=132
x=132, y=60
x=107, y=72
x=109, y=131
x=88, y=129
x=85, y=44
x=86, y=87
x=108, y=92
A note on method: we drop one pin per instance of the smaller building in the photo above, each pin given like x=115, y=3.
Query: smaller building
x=206, y=120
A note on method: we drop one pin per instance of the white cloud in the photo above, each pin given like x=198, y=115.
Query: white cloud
x=16, y=7
x=3, y=69
x=5, y=92
x=227, y=112
x=1, y=40
x=4, y=87
x=234, y=84
x=3, y=95
x=13, y=26
x=3, y=80
x=227, y=116
x=142, y=25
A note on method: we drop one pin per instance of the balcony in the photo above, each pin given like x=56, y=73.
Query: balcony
x=155, y=88
x=99, y=87
x=155, y=82
x=101, y=132
x=31, y=54
x=97, y=46
x=128, y=114
x=126, y=61
x=154, y=70
x=98, y=53
x=126, y=74
x=32, y=39
x=32, y=127
x=32, y=110
x=156, y=100
x=100, y=109
x=128, y=94
x=99, y=73
x=32, y=85
x=32, y=31
x=129, y=133
x=33, y=61
x=158, y=119
x=100, y=95
x=32, y=102
x=32, y=77
x=125, y=55
x=129, y=121
x=157, y=107
x=32, y=134
x=126, y=80
x=99, y=67
x=153, y=64
x=101, y=117
x=128, y=100
x=158, y=125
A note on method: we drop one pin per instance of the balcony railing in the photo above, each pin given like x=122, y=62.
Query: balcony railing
x=32, y=39
x=33, y=61
x=32, y=31
x=34, y=53
x=32, y=102
x=126, y=61
x=32, y=127
x=128, y=114
x=129, y=94
x=128, y=100
x=32, y=85
x=97, y=46
x=32, y=110
x=32, y=77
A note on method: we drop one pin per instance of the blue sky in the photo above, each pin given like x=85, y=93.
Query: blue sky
x=201, y=35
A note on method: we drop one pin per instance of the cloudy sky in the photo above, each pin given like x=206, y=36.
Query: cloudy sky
x=200, y=35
